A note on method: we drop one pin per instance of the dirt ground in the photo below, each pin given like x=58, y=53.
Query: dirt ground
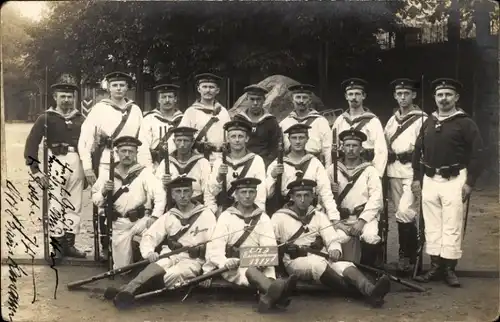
x=477, y=300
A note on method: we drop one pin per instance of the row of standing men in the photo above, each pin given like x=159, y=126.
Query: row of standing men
x=445, y=157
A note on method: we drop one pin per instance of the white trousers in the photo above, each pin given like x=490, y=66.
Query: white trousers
x=179, y=268
x=443, y=215
x=123, y=232
x=369, y=234
x=238, y=277
x=402, y=200
x=311, y=267
x=65, y=200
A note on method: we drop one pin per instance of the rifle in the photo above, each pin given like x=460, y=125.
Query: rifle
x=145, y=262
x=95, y=220
x=384, y=218
x=421, y=224
x=335, y=157
x=109, y=204
x=279, y=178
x=166, y=159
x=222, y=198
x=45, y=196
x=190, y=282
x=393, y=278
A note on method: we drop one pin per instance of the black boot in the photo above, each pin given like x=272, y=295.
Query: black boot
x=403, y=262
x=374, y=293
x=153, y=273
x=412, y=245
x=70, y=250
x=434, y=273
x=272, y=291
x=110, y=292
x=370, y=254
x=333, y=280
x=449, y=272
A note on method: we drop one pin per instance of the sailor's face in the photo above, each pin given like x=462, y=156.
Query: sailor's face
x=355, y=97
x=302, y=199
x=127, y=154
x=182, y=195
x=404, y=97
x=256, y=101
x=167, y=100
x=352, y=149
x=298, y=141
x=118, y=89
x=237, y=139
x=64, y=100
x=183, y=143
x=301, y=101
x=446, y=99
x=246, y=196
x=208, y=91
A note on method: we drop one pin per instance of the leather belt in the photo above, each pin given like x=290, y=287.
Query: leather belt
x=446, y=172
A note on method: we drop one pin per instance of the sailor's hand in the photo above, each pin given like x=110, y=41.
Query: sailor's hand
x=335, y=188
x=41, y=179
x=277, y=170
x=341, y=226
x=357, y=228
x=334, y=255
x=232, y=263
x=108, y=186
x=206, y=283
x=222, y=172
x=166, y=179
x=150, y=221
x=153, y=257
x=466, y=191
x=416, y=188
x=90, y=176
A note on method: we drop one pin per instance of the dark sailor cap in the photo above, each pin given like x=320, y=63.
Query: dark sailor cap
x=238, y=125
x=127, y=141
x=242, y=183
x=182, y=181
x=446, y=83
x=354, y=83
x=298, y=128
x=301, y=185
x=118, y=76
x=404, y=83
x=352, y=134
x=301, y=88
x=166, y=88
x=207, y=78
x=184, y=131
x=256, y=89
x=65, y=83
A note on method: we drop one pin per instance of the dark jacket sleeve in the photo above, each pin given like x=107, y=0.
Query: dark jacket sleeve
x=417, y=155
x=274, y=139
x=474, y=152
x=33, y=142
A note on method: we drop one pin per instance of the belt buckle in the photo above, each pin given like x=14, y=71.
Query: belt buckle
x=71, y=149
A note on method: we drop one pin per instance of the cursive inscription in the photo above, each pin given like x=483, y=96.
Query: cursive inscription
x=14, y=229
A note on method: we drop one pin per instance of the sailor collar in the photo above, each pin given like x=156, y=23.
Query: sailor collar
x=215, y=110
x=288, y=211
x=236, y=163
x=312, y=113
x=263, y=117
x=157, y=113
x=109, y=102
x=305, y=158
x=194, y=157
x=459, y=112
x=185, y=216
x=361, y=167
x=67, y=117
x=414, y=111
x=233, y=210
x=131, y=171
x=366, y=114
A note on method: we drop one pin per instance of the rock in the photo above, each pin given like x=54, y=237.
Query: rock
x=278, y=101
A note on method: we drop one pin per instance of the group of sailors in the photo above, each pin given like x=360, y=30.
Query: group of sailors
x=199, y=178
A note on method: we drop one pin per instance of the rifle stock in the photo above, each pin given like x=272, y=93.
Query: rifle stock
x=166, y=159
x=109, y=204
x=335, y=157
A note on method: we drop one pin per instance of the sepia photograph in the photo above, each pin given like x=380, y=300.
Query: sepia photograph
x=179, y=160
